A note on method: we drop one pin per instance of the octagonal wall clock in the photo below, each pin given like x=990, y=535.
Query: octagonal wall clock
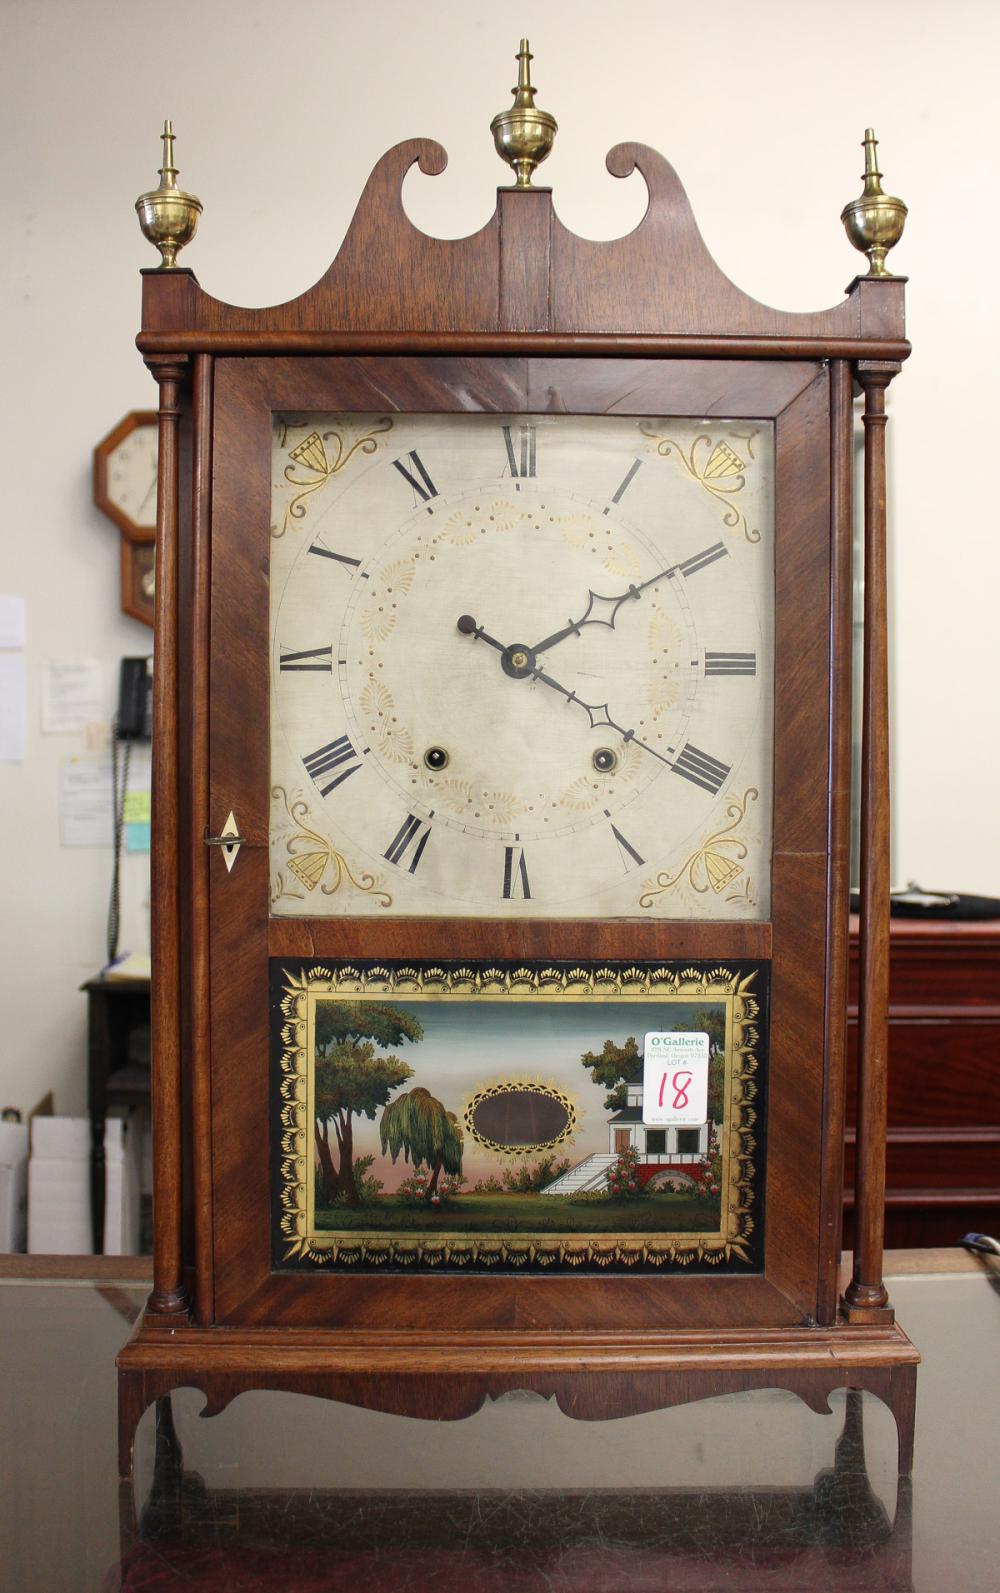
x=502, y=792
x=125, y=475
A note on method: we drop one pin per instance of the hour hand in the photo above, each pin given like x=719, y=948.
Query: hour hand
x=517, y=660
x=468, y=627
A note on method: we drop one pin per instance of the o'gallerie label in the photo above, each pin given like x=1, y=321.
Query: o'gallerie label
x=675, y=1078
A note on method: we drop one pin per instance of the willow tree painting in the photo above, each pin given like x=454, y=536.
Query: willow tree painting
x=421, y=1129
x=355, y=1074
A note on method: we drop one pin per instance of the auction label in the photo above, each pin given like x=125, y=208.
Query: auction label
x=675, y=1078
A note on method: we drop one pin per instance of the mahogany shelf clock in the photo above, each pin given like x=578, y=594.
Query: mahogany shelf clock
x=501, y=817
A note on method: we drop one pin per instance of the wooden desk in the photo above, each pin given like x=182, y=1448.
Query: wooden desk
x=116, y=1008
x=753, y=1491
x=943, y=1153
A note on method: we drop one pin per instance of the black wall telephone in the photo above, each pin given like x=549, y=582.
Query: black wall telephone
x=135, y=700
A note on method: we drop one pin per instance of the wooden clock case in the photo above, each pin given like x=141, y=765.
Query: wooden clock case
x=531, y=317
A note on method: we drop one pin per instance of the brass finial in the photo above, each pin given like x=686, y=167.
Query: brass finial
x=875, y=221
x=167, y=215
x=523, y=135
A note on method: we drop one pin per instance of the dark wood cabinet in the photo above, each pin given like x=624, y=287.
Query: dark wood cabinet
x=943, y=1151
x=118, y=1072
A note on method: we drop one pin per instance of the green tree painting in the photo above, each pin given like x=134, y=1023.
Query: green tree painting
x=613, y=1066
x=353, y=1077
x=418, y=1127
x=714, y=1025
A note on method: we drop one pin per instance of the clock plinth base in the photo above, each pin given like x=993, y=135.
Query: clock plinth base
x=173, y=1305
x=442, y=1377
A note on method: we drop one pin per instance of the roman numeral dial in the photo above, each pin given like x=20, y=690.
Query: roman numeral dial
x=337, y=759
x=309, y=658
x=408, y=844
x=515, y=875
x=320, y=549
x=730, y=663
x=701, y=768
x=624, y=484
x=521, y=450
x=520, y=660
x=414, y=471
x=701, y=561
x=629, y=856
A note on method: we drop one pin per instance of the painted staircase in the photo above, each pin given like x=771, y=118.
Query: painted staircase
x=592, y=1173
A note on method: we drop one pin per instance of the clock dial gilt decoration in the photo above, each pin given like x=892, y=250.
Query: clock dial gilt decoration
x=517, y=662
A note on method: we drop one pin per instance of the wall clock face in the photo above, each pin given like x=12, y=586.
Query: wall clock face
x=125, y=480
x=125, y=474
x=132, y=477
x=521, y=666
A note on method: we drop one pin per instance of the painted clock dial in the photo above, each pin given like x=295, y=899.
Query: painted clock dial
x=521, y=666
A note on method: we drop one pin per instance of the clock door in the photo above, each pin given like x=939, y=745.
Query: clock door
x=519, y=702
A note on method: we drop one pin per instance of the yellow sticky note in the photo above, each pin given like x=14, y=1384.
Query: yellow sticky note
x=137, y=809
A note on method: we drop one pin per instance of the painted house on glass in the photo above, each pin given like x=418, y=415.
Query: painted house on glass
x=664, y=1153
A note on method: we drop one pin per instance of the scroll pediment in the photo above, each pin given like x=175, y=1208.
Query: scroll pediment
x=522, y=272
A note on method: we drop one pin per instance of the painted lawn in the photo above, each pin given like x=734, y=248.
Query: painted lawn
x=530, y=1214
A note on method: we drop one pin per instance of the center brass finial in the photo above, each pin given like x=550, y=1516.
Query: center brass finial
x=523, y=135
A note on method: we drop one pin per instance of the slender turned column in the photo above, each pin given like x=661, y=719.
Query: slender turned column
x=866, y=1289
x=168, y=1292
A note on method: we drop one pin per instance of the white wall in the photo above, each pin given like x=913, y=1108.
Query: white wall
x=280, y=114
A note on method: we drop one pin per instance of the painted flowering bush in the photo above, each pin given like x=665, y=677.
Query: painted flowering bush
x=623, y=1177
x=417, y=1187
x=710, y=1166
x=524, y=1177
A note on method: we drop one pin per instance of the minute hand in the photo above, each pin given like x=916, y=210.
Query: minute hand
x=598, y=714
x=592, y=614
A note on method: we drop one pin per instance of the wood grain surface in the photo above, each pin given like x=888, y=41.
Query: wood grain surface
x=522, y=273
x=797, y=1269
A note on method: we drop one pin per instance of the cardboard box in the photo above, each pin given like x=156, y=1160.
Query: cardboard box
x=59, y=1187
x=13, y=1186
x=59, y=1216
